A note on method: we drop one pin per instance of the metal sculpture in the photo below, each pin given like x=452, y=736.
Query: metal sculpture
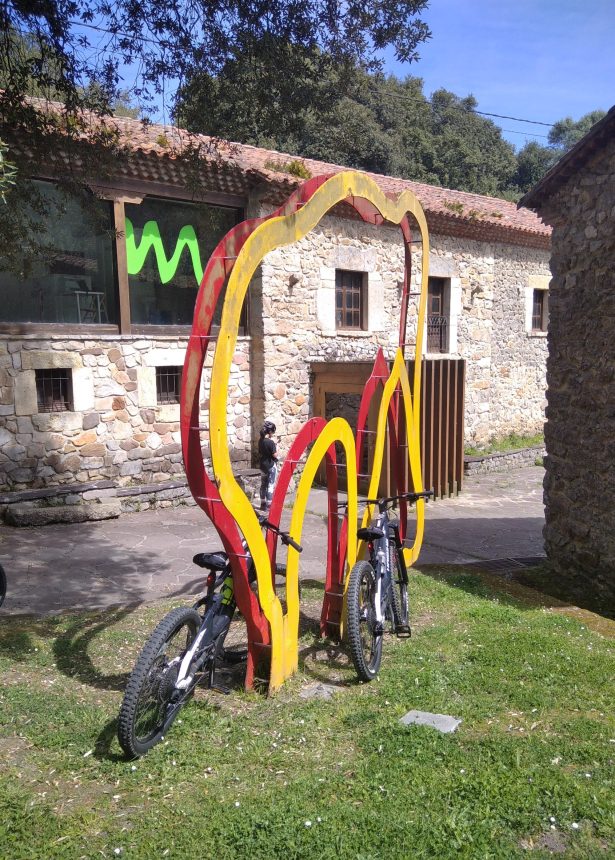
x=273, y=634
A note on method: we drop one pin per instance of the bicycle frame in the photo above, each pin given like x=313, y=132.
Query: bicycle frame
x=215, y=604
x=380, y=559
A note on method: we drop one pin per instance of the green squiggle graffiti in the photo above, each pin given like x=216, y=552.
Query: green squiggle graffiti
x=151, y=238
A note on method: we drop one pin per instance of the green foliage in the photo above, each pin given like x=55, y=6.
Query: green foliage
x=500, y=445
x=566, y=132
x=348, y=116
x=8, y=172
x=296, y=167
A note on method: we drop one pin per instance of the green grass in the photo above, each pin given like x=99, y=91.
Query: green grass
x=242, y=775
x=512, y=442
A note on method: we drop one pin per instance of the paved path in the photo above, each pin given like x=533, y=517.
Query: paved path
x=148, y=555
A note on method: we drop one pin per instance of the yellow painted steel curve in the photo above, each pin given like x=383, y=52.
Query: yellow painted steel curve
x=271, y=234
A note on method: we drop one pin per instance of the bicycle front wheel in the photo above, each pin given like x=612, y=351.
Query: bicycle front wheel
x=399, y=590
x=364, y=633
x=145, y=714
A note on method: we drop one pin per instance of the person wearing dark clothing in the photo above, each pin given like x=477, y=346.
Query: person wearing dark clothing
x=267, y=461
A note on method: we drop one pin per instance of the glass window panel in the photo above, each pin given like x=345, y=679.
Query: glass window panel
x=73, y=280
x=165, y=294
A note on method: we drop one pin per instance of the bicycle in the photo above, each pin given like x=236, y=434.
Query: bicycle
x=378, y=588
x=185, y=648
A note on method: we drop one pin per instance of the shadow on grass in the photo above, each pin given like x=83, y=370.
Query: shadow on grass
x=525, y=590
x=71, y=651
x=104, y=741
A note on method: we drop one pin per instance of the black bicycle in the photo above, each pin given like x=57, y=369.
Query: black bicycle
x=185, y=649
x=378, y=588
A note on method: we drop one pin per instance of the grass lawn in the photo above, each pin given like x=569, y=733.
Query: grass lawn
x=512, y=442
x=529, y=773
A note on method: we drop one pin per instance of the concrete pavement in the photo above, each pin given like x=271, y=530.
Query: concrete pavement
x=147, y=556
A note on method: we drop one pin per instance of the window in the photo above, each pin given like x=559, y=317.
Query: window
x=54, y=390
x=437, y=315
x=168, y=384
x=350, y=300
x=73, y=280
x=540, y=310
x=168, y=245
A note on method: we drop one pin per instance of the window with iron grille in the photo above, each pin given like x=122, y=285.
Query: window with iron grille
x=350, y=300
x=54, y=390
x=540, y=310
x=168, y=384
x=437, y=315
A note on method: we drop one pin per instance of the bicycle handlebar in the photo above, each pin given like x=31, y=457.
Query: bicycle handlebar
x=284, y=536
x=410, y=497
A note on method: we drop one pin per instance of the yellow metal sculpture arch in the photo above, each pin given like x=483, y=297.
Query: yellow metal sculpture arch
x=267, y=236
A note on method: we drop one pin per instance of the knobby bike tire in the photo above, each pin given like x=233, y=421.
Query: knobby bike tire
x=365, y=644
x=152, y=681
x=399, y=590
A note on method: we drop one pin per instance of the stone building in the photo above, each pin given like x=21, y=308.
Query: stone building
x=578, y=198
x=92, y=338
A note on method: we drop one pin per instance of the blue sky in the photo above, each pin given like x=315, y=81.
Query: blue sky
x=539, y=59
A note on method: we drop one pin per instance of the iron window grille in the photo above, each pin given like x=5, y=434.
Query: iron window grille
x=437, y=318
x=540, y=310
x=437, y=330
x=350, y=304
x=54, y=390
x=168, y=384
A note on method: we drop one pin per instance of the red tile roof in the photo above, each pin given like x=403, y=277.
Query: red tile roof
x=237, y=168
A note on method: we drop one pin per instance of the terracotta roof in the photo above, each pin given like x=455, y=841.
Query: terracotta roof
x=239, y=168
x=571, y=162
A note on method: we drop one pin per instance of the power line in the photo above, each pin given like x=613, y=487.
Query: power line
x=407, y=98
x=165, y=44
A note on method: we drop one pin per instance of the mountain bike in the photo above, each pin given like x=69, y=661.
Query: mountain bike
x=378, y=588
x=186, y=648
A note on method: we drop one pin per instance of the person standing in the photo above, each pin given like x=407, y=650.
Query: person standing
x=267, y=461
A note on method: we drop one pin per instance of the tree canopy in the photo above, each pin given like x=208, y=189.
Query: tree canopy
x=351, y=116
x=346, y=114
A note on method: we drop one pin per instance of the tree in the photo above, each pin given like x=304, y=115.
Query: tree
x=350, y=116
x=533, y=161
x=566, y=132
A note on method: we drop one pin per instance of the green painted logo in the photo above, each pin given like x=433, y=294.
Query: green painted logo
x=150, y=238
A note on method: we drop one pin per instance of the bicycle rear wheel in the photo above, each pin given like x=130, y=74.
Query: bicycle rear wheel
x=364, y=637
x=145, y=714
x=399, y=591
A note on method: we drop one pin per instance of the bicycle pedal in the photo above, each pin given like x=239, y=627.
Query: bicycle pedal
x=220, y=688
x=403, y=632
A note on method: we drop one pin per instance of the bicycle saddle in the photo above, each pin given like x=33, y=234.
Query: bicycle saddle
x=211, y=560
x=370, y=534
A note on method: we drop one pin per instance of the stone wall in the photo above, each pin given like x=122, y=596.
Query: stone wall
x=505, y=363
x=488, y=285
x=580, y=429
x=299, y=312
x=503, y=461
x=518, y=354
x=117, y=429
